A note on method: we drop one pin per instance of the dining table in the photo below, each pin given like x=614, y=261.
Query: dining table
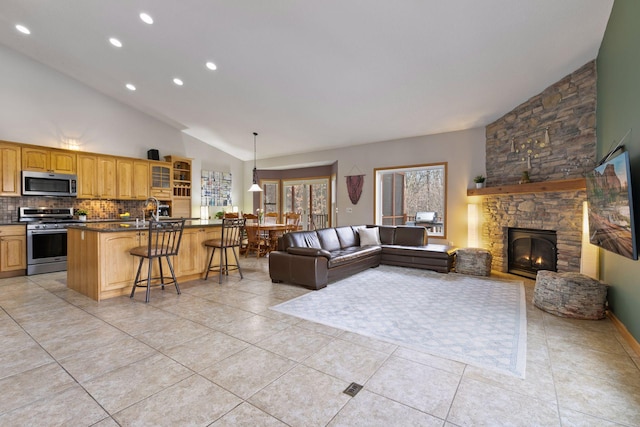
x=270, y=231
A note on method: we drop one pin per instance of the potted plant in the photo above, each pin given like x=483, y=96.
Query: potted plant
x=82, y=214
x=479, y=180
x=220, y=215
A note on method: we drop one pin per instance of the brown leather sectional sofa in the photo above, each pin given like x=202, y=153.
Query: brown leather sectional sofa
x=314, y=258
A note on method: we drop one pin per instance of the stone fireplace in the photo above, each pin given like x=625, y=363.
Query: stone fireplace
x=552, y=137
x=559, y=211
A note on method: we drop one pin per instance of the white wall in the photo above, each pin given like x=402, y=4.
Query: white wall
x=208, y=158
x=464, y=151
x=42, y=106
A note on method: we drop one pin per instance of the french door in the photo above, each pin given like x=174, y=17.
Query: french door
x=311, y=198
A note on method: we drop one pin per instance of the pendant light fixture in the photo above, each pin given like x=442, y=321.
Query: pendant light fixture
x=255, y=187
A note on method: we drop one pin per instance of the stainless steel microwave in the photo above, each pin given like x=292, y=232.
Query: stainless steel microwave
x=49, y=184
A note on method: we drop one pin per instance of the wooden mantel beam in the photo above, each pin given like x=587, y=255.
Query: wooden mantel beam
x=532, y=187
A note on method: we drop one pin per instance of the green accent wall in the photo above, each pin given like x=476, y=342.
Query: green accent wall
x=618, y=110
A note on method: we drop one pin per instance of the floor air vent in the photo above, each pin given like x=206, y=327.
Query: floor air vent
x=353, y=389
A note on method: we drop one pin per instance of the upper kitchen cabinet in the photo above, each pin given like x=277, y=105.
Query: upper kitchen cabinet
x=181, y=186
x=96, y=177
x=133, y=179
x=160, y=175
x=41, y=159
x=10, y=169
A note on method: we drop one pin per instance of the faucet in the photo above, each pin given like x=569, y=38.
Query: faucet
x=155, y=216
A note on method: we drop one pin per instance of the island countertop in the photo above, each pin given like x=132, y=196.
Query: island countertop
x=106, y=227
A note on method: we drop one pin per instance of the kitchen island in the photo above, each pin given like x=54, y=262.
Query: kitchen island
x=99, y=264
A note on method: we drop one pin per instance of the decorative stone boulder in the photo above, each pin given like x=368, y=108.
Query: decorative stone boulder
x=571, y=295
x=473, y=261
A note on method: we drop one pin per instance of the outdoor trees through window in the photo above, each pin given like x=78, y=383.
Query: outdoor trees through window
x=403, y=191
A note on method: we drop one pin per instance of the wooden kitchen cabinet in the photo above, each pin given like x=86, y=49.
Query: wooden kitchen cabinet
x=10, y=155
x=42, y=159
x=193, y=257
x=133, y=179
x=160, y=177
x=140, y=179
x=13, y=249
x=180, y=186
x=96, y=177
x=181, y=208
x=122, y=266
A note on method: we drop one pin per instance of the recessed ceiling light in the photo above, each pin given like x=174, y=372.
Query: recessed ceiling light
x=23, y=29
x=146, y=18
x=212, y=66
x=114, y=41
x=130, y=87
x=178, y=81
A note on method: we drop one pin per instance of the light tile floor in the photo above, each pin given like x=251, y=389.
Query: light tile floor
x=216, y=355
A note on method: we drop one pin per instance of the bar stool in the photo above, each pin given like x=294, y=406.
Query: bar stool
x=164, y=242
x=230, y=239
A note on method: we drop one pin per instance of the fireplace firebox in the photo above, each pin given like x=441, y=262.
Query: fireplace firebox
x=531, y=250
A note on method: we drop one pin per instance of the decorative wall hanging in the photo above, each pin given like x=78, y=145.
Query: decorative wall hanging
x=528, y=149
x=354, y=185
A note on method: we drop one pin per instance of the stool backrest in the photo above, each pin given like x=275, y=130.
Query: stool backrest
x=165, y=237
x=232, y=231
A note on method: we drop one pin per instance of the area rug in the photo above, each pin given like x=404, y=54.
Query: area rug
x=473, y=320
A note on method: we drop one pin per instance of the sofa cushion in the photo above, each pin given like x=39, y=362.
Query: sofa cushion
x=346, y=256
x=311, y=252
x=410, y=236
x=328, y=239
x=301, y=239
x=387, y=234
x=369, y=236
x=432, y=250
x=347, y=237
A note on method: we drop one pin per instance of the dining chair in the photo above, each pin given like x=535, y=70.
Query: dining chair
x=292, y=221
x=164, y=242
x=250, y=219
x=256, y=241
x=271, y=218
x=230, y=239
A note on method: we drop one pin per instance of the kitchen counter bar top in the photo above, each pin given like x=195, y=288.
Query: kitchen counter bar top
x=133, y=226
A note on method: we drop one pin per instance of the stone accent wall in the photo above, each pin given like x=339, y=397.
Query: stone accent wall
x=559, y=211
x=568, y=109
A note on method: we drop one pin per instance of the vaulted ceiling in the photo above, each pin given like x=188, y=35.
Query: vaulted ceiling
x=312, y=75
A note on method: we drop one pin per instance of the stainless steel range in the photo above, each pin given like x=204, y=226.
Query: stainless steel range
x=46, y=238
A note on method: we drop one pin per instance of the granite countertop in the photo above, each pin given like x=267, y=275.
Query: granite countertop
x=111, y=226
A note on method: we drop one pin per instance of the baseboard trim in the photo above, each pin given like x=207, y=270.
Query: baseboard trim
x=635, y=346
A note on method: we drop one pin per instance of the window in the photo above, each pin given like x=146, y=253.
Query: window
x=402, y=192
x=270, y=193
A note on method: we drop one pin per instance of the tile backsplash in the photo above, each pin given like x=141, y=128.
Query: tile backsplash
x=98, y=209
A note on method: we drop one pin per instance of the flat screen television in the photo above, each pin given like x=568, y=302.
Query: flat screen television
x=610, y=201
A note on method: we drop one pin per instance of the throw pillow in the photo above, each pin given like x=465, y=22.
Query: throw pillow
x=369, y=236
